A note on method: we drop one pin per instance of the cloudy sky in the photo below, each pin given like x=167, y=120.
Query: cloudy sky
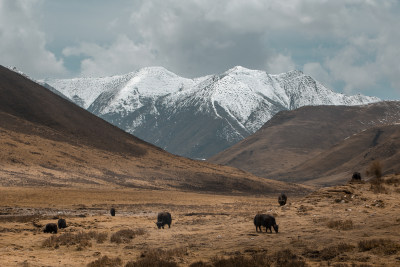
x=351, y=46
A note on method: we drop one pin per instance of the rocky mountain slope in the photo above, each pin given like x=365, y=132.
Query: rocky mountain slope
x=46, y=140
x=302, y=145
x=200, y=117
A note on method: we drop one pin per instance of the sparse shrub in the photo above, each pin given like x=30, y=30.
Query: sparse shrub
x=237, y=260
x=393, y=181
x=37, y=224
x=200, y=264
x=364, y=259
x=375, y=168
x=303, y=209
x=68, y=239
x=333, y=251
x=106, y=261
x=377, y=186
x=329, y=253
x=343, y=247
x=313, y=254
x=81, y=239
x=20, y=218
x=288, y=258
x=157, y=258
x=379, y=246
x=99, y=237
x=126, y=235
x=378, y=203
x=166, y=254
x=260, y=259
x=352, y=265
x=151, y=262
x=256, y=260
x=340, y=225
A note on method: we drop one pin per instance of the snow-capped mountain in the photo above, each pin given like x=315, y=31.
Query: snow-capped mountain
x=199, y=117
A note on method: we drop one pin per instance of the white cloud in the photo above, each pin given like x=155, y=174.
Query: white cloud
x=344, y=67
x=23, y=44
x=121, y=56
x=350, y=42
x=280, y=63
x=318, y=72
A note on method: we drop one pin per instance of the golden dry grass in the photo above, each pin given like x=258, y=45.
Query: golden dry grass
x=207, y=230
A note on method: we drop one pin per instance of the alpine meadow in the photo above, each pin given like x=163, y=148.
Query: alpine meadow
x=199, y=133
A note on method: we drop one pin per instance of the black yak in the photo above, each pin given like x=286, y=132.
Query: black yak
x=282, y=199
x=356, y=176
x=50, y=228
x=164, y=218
x=62, y=223
x=265, y=220
x=258, y=221
x=112, y=212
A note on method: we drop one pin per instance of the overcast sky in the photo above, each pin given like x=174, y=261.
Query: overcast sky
x=351, y=46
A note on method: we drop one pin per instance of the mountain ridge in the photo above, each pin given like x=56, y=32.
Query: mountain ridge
x=153, y=102
x=49, y=141
x=303, y=145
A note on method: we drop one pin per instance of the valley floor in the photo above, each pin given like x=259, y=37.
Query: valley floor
x=339, y=225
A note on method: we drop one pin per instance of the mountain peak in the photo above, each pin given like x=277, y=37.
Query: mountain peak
x=240, y=70
x=155, y=70
x=198, y=117
x=295, y=72
x=291, y=74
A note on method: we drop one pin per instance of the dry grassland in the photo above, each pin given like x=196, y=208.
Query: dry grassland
x=348, y=225
x=32, y=160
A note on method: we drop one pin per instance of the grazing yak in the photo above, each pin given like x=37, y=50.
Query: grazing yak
x=282, y=199
x=163, y=218
x=356, y=176
x=50, y=228
x=112, y=212
x=267, y=221
x=62, y=223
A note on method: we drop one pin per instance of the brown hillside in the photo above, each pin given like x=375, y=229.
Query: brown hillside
x=46, y=140
x=356, y=153
x=291, y=138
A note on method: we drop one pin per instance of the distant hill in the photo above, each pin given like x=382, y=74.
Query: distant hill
x=306, y=144
x=199, y=117
x=49, y=141
x=355, y=153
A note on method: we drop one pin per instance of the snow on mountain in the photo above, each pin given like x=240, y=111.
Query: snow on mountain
x=197, y=117
x=42, y=83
